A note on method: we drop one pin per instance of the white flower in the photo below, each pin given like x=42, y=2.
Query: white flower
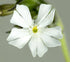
x=36, y=31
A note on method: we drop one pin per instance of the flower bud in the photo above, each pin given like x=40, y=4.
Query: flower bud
x=4, y=9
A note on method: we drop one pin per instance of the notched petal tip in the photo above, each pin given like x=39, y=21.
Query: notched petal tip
x=21, y=6
x=24, y=11
x=56, y=45
x=47, y=20
x=44, y=9
x=60, y=31
x=15, y=45
x=11, y=21
x=53, y=10
x=49, y=5
x=61, y=35
x=43, y=53
x=9, y=38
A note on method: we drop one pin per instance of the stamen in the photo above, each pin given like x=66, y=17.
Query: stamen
x=35, y=29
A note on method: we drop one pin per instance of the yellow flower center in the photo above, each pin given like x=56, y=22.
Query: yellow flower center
x=35, y=29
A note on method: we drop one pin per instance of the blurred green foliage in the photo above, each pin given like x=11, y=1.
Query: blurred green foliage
x=4, y=9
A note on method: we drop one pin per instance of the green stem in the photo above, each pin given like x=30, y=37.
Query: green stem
x=65, y=49
x=63, y=42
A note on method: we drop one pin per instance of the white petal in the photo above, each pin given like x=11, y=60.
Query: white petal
x=20, y=43
x=37, y=47
x=49, y=41
x=54, y=32
x=48, y=19
x=25, y=13
x=33, y=46
x=43, y=11
x=58, y=28
x=17, y=33
x=41, y=48
x=18, y=20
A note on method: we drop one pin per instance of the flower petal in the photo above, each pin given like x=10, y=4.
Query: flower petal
x=41, y=48
x=18, y=20
x=49, y=41
x=20, y=43
x=17, y=33
x=37, y=47
x=54, y=32
x=33, y=46
x=43, y=12
x=48, y=19
x=25, y=13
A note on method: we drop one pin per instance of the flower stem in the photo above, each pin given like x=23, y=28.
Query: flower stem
x=63, y=41
x=65, y=49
